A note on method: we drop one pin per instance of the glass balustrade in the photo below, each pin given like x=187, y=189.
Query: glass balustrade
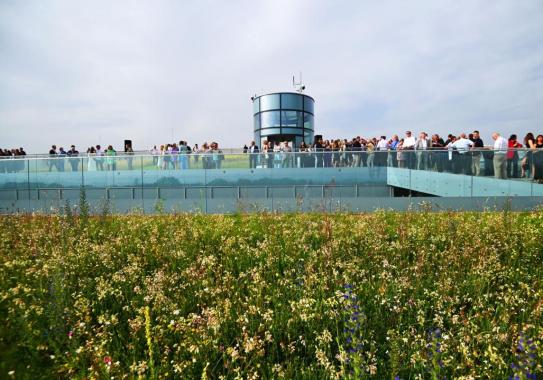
x=137, y=170
x=270, y=178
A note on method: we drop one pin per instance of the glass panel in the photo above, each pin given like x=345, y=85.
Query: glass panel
x=291, y=119
x=309, y=104
x=270, y=131
x=308, y=121
x=308, y=136
x=292, y=131
x=13, y=173
x=256, y=105
x=269, y=102
x=291, y=101
x=270, y=119
x=256, y=122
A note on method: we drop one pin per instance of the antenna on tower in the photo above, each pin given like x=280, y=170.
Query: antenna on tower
x=298, y=86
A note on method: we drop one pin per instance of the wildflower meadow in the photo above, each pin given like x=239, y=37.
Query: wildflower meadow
x=387, y=295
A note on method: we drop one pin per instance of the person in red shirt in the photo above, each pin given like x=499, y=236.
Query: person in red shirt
x=512, y=156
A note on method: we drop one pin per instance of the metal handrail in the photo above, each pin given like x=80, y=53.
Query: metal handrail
x=293, y=152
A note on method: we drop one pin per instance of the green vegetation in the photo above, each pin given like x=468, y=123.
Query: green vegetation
x=384, y=295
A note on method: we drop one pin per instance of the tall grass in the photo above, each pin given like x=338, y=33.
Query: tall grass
x=384, y=295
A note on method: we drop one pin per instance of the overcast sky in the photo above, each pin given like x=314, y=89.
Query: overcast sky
x=89, y=72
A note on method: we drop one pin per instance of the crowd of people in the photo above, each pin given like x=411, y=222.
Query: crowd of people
x=168, y=157
x=13, y=152
x=174, y=156
x=462, y=154
x=12, y=166
x=97, y=158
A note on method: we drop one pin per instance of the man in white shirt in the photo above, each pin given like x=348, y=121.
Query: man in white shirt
x=380, y=155
x=461, y=160
x=422, y=144
x=409, y=144
x=500, y=149
x=287, y=155
x=99, y=158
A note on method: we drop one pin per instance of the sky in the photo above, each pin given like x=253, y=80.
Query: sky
x=98, y=72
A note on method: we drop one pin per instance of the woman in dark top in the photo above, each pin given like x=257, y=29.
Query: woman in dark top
x=527, y=163
x=438, y=155
x=305, y=156
x=538, y=159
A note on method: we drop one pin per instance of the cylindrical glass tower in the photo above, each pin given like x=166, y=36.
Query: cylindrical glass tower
x=284, y=116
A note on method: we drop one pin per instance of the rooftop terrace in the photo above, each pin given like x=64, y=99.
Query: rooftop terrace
x=280, y=181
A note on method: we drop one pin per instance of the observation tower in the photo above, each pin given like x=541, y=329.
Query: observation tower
x=284, y=116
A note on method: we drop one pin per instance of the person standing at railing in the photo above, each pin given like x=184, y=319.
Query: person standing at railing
x=343, y=155
x=277, y=155
x=53, y=154
x=99, y=158
x=6, y=167
x=408, y=147
x=381, y=149
x=183, y=158
x=174, y=156
x=268, y=153
x=356, y=148
x=538, y=159
x=400, y=155
x=217, y=155
x=53, y=161
x=129, y=156
x=154, y=153
x=448, y=163
x=160, y=161
x=370, y=151
x=500, y=149
x=74, y=160
x=304, y=156
x=527, y=169
x=253, y=155
x=327, y=154
x=319, y=150
x=438, y=156
x=478, y=145
x=166, y=157
x=91, y=157
x=336, y=160
x=188, y=152
x=111, y=160
x=287, y=152
x=62, y=159
x=461, y=158
x=421, y=148
x=512, y=156
x=392, y=160
x=196, y=154
x=205, y=156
